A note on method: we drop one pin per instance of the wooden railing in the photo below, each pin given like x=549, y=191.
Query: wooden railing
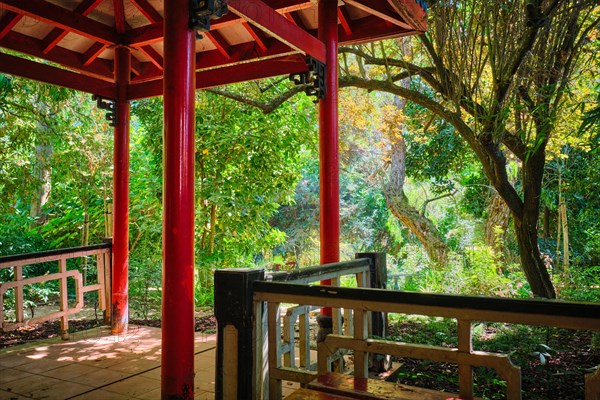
x=239, y=342
x=102, y=252
x=465, y=309
x=358, y=269
x=254, y=335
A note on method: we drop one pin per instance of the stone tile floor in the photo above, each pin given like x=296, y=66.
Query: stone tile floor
x=97, y=365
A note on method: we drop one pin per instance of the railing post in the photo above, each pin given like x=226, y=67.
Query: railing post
x=377, y=280
x=465, y=371
x=107, y=262
x=64, y=299
x=19, y=300
x=236, y=341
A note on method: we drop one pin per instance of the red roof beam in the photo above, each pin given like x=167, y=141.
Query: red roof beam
x=62, y=18
x=411, y=12
x=57, y=34
x=48, y=74
x=243, y=53
x=147, y=10
x=370, y=29
x=119, y=13
x=232, y=74
x=381, y=9
x=18, y=42
x=7, y=22
x=268, y=20
x=153, y=33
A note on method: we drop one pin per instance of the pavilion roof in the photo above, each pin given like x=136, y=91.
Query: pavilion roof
x=71, y=42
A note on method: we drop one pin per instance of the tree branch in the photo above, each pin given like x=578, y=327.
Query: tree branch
x=265, y=107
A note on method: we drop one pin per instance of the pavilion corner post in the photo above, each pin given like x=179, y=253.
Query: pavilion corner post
x=328, y=151
x=120, y=242
x=177, y=373
x=239, y=365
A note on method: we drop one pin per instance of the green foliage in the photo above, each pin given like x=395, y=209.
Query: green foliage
x=477, y=271
x=145, y=284
x=17, y=235
x=247, y=165
x=582, y=283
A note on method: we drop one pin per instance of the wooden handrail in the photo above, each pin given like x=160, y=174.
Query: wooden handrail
x=465, y=309
x=50, y=255
x=320, y=272
x=556, y=313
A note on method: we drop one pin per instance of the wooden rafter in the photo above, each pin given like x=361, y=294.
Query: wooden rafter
x=153, y=56
x=57, y=34
x=258, y=36
x=45, y=73
x=146, y=8
x=63, y=18
x=119, y=11
x=372, y=28
x=381, y=9
x=270, y=21
x=153, y=33
x=92, y=53
x=410, y=12
x=243, y=53
x=231, y=74
x=220, y=43
x=7, y=22
x=18, y=42
x=279, y=30
x=295, y=18
x=345, y=20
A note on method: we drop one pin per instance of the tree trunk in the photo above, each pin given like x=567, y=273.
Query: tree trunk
x=43, y=154
x=565, y=230
x=497, y=223
x=546, y=223
x=421, y=227
x=531, y=262
x=496, y=227
x=409, y=216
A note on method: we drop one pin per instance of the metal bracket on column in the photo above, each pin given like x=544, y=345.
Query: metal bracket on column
x=110, y=106
x=315, y=76
x=202, y=11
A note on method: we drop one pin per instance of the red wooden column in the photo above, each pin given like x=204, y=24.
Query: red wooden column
x=177, y=373
x=328, y=141
x=120, y=281
x=328, y=137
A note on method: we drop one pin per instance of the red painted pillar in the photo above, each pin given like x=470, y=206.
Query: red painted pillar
x=328, y=141
x=177, y=373
x=120, y=280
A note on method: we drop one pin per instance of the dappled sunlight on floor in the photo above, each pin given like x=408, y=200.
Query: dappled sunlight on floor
x=95, y=364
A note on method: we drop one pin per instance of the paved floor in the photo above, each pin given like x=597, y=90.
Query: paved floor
x=96, y=365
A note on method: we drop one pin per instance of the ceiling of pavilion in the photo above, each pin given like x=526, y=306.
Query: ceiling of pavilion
x=72, y=42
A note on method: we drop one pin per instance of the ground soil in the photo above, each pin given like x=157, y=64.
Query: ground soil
x=572, y=354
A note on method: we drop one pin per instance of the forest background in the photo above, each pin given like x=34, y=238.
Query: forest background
x=469, y=155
